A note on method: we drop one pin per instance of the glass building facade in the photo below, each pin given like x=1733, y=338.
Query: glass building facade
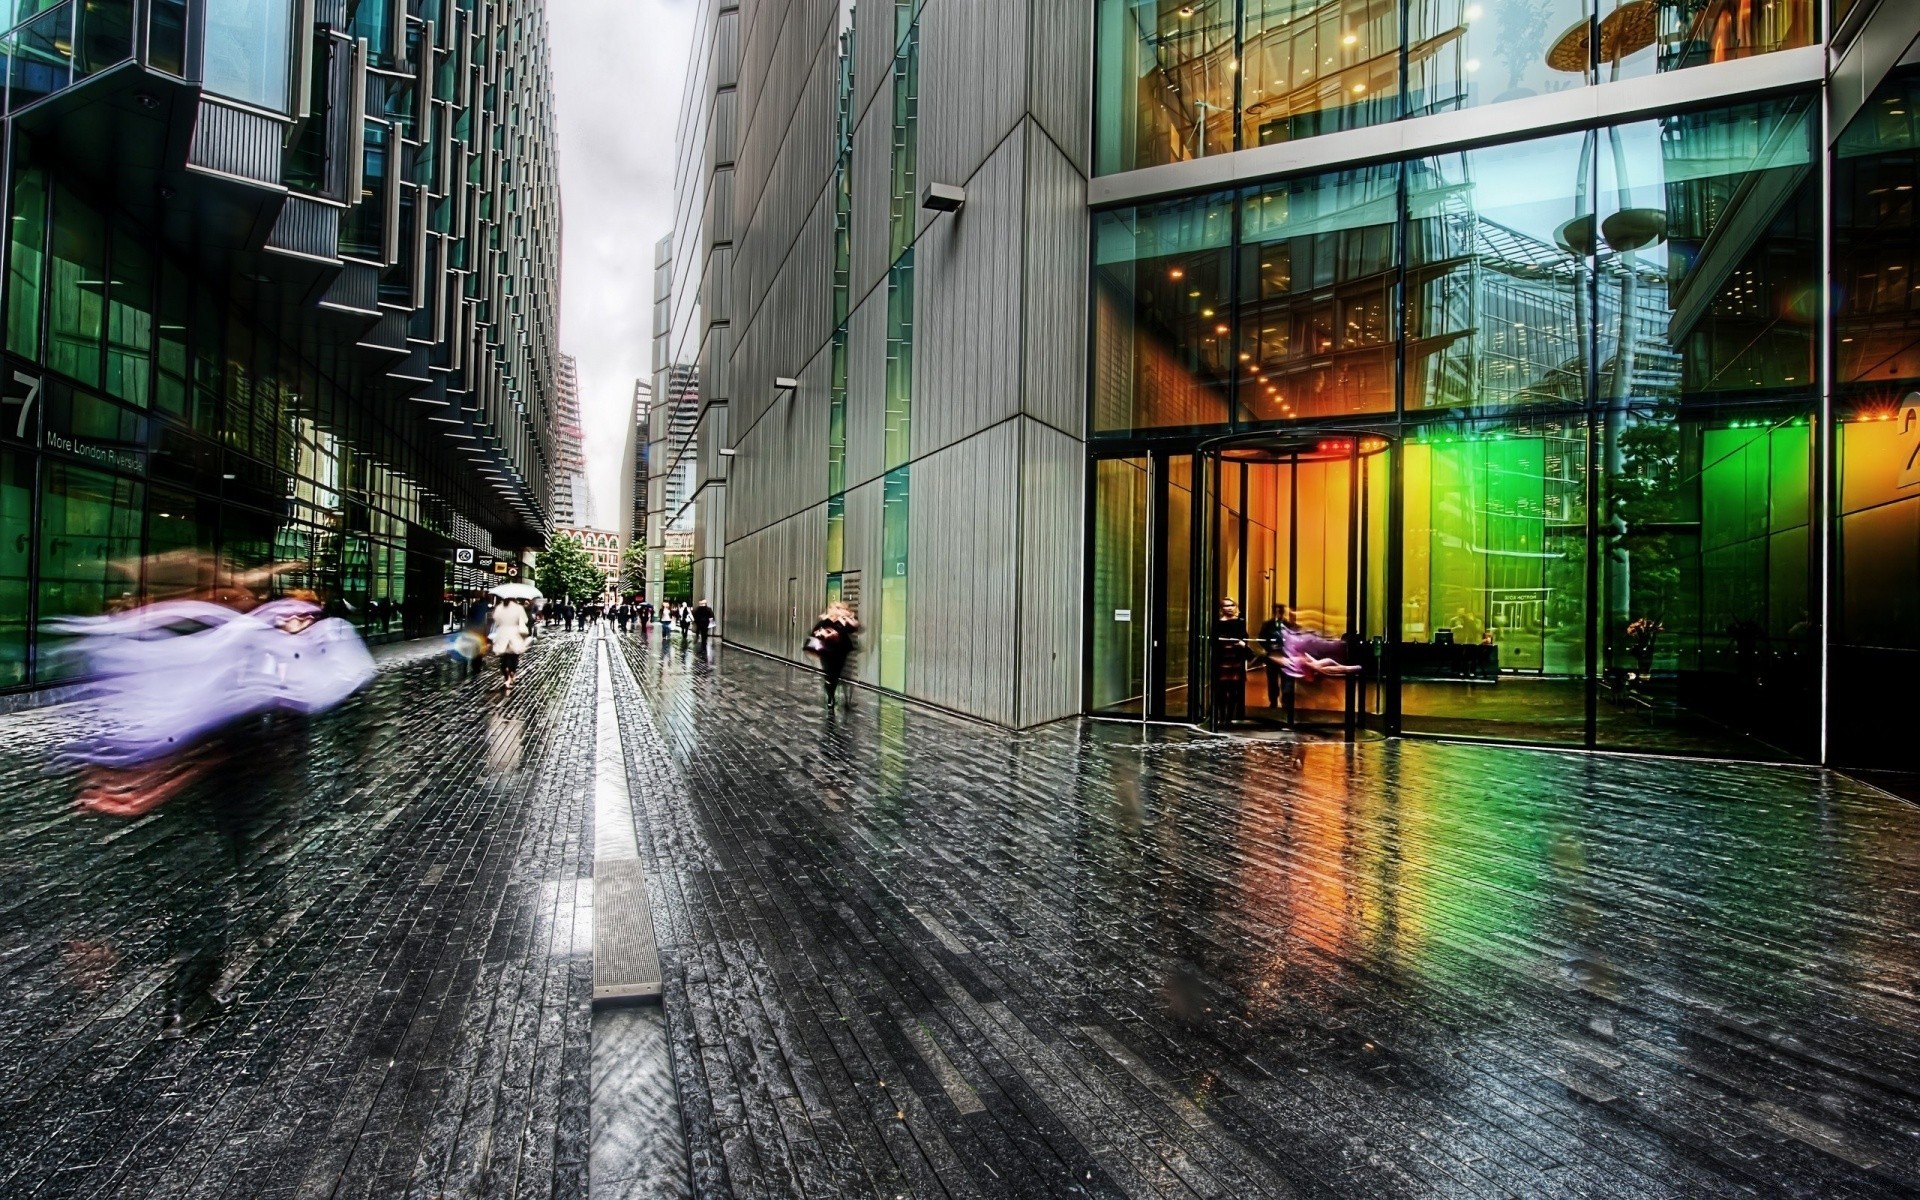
x=1544, y=436
x=278, y=307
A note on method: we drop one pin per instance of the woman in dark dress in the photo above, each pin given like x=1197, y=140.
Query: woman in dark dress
x=1230, y=662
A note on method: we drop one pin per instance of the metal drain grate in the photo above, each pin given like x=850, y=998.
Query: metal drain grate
x=626, y=962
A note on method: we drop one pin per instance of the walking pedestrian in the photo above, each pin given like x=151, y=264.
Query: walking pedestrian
x=834, y=638
x=510, y=636
x=473, y=639
x=702, y=622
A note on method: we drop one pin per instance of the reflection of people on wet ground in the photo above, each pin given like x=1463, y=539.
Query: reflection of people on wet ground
x=834, y=638
x=510, y=637
x=1230, y=661
x=702, y=621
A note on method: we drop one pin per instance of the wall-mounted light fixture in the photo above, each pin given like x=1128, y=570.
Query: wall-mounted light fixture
x=943, y=197
x=728, y=452
x=784, y=383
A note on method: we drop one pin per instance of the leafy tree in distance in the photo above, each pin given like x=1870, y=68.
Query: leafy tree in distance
x=677, y=578
x=633, y=571
x=564, y=570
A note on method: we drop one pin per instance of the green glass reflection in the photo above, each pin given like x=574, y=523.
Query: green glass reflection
x=1319, y=269
x=130, y=319
x=16, y=540
x=1162, y=318
x=836, y=534
x=89, y=552
x=899, y=381
x=893, y=580
x=1119, y=616
x=77, y=293
x=904, y=201
x=1493, y=624
x=26, y=241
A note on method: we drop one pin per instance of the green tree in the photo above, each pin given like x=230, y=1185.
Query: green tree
x=633, y=571
x=676, y=583
x=564, y=570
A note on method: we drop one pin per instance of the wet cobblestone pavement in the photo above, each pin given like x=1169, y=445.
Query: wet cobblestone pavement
x=906, y=954
x=390, y=903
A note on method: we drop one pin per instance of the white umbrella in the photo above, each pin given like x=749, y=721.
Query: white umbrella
x=518, y=591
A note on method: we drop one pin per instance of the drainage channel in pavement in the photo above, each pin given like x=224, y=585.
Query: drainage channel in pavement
x=638, y=1149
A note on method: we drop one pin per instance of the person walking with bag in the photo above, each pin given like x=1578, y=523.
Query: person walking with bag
x=834, y=638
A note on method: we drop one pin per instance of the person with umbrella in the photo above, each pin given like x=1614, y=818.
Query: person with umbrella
x=509, y=631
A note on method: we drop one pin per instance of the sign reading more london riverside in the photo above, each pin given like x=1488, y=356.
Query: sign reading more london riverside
x=119, y=458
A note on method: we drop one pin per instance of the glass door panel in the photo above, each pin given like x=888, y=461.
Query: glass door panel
x=1120, y=556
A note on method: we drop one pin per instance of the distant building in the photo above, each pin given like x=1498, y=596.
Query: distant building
x=572, y=502
x=633, y=470
x=603, y=546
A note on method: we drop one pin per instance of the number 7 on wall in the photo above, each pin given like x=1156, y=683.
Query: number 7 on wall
x=25, y=402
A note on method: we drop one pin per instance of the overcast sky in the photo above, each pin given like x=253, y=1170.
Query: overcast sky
x=617, y=70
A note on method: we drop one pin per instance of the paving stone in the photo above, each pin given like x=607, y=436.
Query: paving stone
x=908, y=954
x=392, y=893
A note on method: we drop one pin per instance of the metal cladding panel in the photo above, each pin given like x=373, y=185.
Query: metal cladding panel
x=872, y=168
x=867, y=388
x=716, y=381
x=719, y=217
x=712, y=436
x=798, y=178
x=791, y=315
x=961, y=550
x=774, y=585
x=723, y=141
x=726, y=49
x=717, y=303
x=873, y=50
x=1054, y=309
x=231, y=141
x=781, y=467
x=357, y=287
x=306, y=227
x=861, y=536
x=973, y=79
x=966, y=362
x=1060, y=63
x=1053, y=498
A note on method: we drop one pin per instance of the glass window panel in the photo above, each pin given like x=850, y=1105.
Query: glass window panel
x=26, y=261
x=1640, y=37
x=1709, y=237
x=248, y=54
x=130, y=318
x=1162, y=325
x=89, y=553
x=1494, y=628
x=79, y=285
x=103, y=35
x=40, y=57
x=1119, y=585
x=1499, y=275
x=1463, y=53
x=1319, y=269
x=1312, y=67
x=1165, y=90
x=893, y=580
x=16, y=541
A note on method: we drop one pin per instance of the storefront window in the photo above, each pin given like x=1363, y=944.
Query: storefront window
x=1493, y=619
x=1318, y=272
x=1162, y=315
x=89, y=552
x=26, y=242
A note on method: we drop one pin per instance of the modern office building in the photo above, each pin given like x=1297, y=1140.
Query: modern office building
x=279, y=304
x=572, y=502
x=1549, y=370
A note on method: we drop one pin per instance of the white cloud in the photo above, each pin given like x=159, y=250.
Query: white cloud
x=617, y=72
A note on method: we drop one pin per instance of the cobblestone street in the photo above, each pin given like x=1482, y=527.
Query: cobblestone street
x=908, y=954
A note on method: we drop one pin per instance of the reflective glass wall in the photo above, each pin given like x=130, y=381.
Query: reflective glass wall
x=1178, y=80
x=1876, y=585
x=1593, y=356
